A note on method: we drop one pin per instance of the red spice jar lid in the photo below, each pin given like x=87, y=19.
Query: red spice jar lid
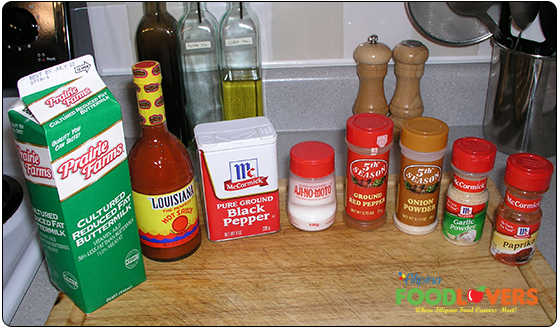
x=472, y=154
x=369, y=130
x=312, y=159
x=528, y=172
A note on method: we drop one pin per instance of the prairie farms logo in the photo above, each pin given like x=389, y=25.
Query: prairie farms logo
x=68, y=97
x=93, y=161
x=462, y=298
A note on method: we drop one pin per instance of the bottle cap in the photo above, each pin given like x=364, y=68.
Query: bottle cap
x=146, y=72
x=424, y=134
x=528, y=172
x=372, y=52
x=312, y=159
x=369, y=130
x=472, y=154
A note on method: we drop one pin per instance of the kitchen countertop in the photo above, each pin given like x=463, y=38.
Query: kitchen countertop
x=41, y=296
x=338, y=276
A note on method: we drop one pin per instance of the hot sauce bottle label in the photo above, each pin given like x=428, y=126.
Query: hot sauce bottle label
x=463, y=223
x=469, y=186
x=151, y=106
x=366, y=186
x=513, y=243
x=418, y=193
x=522, y=205
x=167, y=220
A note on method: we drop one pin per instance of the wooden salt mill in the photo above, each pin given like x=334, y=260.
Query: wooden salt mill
x=409, y=57
x=372, y=58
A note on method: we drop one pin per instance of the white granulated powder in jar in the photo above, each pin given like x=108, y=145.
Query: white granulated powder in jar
x=312, y=189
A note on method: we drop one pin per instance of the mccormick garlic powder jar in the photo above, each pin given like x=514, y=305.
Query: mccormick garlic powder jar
x=423, y=145
x=312, y=187
x=467, y=196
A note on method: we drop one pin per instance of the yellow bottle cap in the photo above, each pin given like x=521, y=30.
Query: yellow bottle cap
x=146, y=72
x=424, y=134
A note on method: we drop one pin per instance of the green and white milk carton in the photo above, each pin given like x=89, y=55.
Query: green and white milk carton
x=70, y=141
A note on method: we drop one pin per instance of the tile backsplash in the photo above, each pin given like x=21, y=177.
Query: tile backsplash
x=294, y=34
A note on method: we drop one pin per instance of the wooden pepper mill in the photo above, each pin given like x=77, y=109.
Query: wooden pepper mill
x=372, y=58
x=409, y=57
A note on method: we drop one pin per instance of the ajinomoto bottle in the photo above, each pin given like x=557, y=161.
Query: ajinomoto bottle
x=162, y=176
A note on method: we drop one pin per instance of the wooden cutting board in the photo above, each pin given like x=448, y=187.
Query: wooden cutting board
x=336, y=277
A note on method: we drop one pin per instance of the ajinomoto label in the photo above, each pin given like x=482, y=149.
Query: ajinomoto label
x=366, y=190
x=512, y=242
x=167, y=220
x=418, y=192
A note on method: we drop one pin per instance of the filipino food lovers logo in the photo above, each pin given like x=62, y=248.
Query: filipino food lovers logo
x=446, y=300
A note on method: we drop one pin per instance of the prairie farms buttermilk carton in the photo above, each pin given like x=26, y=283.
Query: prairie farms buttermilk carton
x=69, y=137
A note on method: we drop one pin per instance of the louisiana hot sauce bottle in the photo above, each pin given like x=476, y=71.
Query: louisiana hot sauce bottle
x=162, y=176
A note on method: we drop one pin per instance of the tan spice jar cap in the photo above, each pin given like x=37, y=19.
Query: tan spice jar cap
x=372, y=52
x=424, y=134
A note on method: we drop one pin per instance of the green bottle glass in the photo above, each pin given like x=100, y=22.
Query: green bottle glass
x=240, y=57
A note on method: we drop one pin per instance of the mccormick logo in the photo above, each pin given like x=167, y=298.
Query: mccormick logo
x=68, y=97
x=93, y=161
x=244, y=174
x=31, y=162
x=457, y=297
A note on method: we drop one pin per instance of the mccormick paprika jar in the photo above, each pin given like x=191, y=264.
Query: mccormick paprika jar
x=467, y=196
x=518, y=220
x=369, y=137
x=162, y=176
x=312, y=188
x=423, y=145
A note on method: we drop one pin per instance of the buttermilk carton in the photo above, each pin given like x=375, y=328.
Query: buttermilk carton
x=239, y=174
x=69, y=137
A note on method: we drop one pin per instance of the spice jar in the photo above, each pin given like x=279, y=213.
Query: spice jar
x=467, y=196
x=312, y=188
x=369, y=137
x=518, y=219
x=423, y=145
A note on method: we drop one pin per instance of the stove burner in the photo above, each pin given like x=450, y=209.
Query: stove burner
x=12, y=194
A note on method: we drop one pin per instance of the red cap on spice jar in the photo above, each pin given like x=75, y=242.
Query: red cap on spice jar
x=312, y=159
x=528, y=172
x=369, y=130
x=472, y=154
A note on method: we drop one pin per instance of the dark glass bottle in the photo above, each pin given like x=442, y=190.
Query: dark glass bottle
x=240, y=57
x=155, y=40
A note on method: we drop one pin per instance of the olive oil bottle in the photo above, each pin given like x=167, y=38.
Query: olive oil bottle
x=240, y=63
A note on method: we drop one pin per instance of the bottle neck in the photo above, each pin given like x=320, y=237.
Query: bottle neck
x=195, y=6
x=241, y=8
x=155, y=8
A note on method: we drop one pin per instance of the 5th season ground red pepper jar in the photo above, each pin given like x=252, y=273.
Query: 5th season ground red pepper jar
x=369, y=137
x=423, y=145
x=519, y=215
